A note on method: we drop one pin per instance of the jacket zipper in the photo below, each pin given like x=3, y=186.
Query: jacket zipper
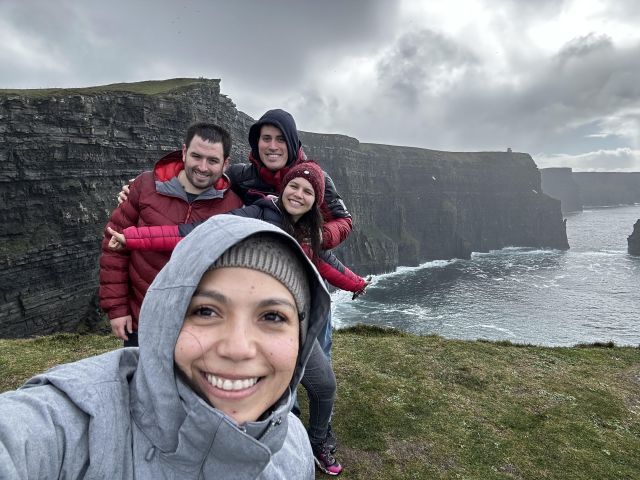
x=186, y=219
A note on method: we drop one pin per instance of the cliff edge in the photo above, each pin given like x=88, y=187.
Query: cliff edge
x=65, y=153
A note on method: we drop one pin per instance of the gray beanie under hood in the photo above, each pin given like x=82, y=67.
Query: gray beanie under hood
x=270, y=254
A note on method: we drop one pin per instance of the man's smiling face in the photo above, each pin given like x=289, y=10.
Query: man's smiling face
x=272, y=147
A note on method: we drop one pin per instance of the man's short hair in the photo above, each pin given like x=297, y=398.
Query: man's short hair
x=211, y=133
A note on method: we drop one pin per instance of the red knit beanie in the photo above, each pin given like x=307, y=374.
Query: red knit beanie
x=310, y=171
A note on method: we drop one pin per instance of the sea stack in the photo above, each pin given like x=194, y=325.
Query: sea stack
x=633, y=240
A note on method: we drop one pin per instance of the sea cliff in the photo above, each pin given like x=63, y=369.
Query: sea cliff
x=65, y=153
x=576, y=190
x=633, y=240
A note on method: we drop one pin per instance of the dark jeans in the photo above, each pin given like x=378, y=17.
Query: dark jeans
x=320, y=383
x=325, y=337
x=133, y=340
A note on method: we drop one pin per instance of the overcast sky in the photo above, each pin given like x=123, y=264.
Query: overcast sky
x=557, y=79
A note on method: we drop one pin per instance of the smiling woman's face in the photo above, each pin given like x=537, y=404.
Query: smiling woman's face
x=239, y=342
x=298, y=197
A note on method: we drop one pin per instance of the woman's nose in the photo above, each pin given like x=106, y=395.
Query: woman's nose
x=238, y=342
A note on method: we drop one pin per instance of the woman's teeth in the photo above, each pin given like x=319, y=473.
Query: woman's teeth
x=231, y=385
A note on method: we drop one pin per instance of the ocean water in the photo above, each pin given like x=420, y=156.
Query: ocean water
x=590, y=293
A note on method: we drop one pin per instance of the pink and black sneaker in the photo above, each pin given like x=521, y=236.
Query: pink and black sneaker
x=324, y=460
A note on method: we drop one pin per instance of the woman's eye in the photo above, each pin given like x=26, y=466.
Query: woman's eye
x=274, y=317
x=204, y=311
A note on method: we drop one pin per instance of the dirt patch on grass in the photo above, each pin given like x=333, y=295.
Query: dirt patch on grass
x=632, y=377
x=406, y=450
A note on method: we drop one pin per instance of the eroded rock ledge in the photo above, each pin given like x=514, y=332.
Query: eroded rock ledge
x=633, y=240
x=64, y=155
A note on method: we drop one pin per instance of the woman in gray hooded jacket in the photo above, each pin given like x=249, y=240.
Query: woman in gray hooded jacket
x=228, y=325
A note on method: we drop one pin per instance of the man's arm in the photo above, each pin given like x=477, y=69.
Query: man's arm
x=114, y=266
x=165, y=237
x=337, y=220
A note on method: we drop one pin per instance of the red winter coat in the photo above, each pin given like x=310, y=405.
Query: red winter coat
x=166, y=237
x=155, y=198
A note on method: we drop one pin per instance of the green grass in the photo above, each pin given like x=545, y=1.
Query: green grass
x=150, y=87
x=21, y=359
x=427, y=407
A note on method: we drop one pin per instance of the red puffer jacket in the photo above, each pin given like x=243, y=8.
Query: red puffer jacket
x=155, y=198
x=166, y=237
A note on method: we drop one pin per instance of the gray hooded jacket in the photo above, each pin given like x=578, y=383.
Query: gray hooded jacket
x=126, y=414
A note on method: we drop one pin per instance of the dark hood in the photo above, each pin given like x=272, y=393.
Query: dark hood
x=285, y=122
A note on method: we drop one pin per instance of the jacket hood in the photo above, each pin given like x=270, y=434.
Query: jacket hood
x=168, y=166
x=159, y=393
x=285, y=122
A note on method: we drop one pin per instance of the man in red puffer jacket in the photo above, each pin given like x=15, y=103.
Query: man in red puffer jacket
x=184, y=186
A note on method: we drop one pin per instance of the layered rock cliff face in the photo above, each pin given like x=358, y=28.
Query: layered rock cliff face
x=608, y=188
x=590, y=189
x=559, y=183
x=64, y=155
x=417, y=204
x=633, y=240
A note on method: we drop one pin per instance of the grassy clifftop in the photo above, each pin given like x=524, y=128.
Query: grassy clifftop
x=426, y=407
x=149, y=87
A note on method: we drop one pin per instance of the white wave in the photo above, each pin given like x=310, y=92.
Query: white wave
x=595, y=208
x=603, y=253
x=399, y=271
x=515, y=251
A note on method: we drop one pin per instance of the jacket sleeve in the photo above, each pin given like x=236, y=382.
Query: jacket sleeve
x=153, y=237
x=42, y=435
x=166, y=237
x=114, y=266
x=239, y=174
x=334, y=272
x=250, y=211
x=337, y=220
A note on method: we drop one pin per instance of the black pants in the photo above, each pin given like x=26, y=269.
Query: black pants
x=133, y=340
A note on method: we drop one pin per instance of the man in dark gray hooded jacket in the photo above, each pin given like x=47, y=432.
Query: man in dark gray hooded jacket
x=141, y=413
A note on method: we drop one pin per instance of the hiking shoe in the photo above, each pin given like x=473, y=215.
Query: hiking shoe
x=331, y=442
x=324, y=460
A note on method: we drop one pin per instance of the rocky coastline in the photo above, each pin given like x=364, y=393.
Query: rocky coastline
x=65, y=153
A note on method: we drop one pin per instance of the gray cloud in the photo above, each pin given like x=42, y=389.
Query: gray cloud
x=587, y=81
x=270, y=41
x=618, y=160
x=584, y=98
x=584, y=46
x=354, y=67
x=420, y=64
x=624, y=9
